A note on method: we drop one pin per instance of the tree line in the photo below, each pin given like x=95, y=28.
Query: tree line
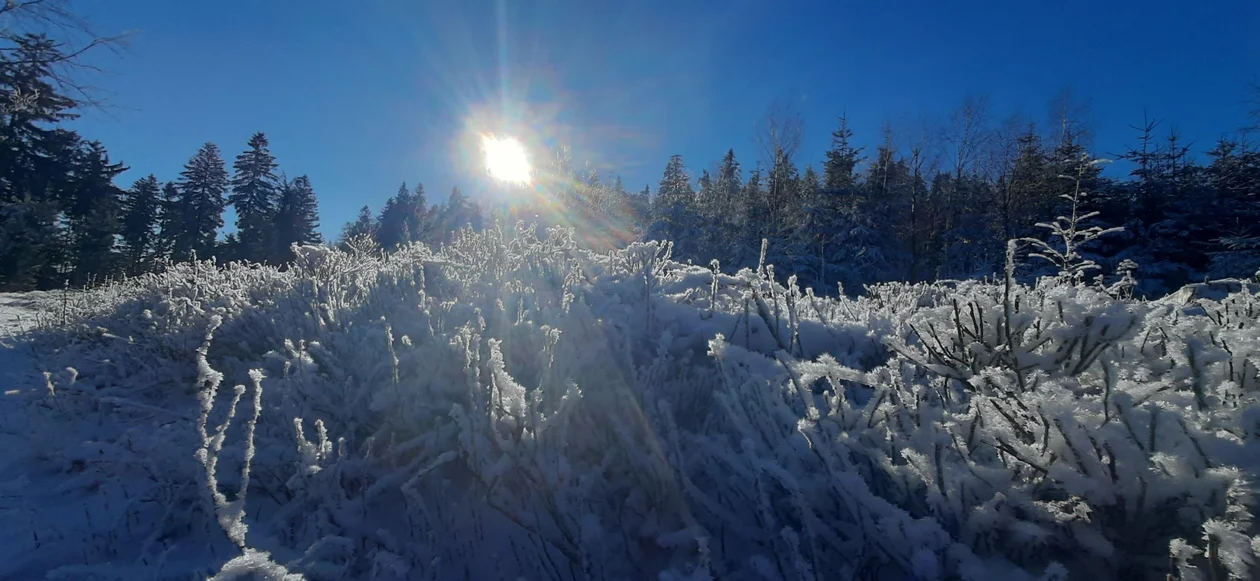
x=922, y=207
x=942, y=206
x=64, y=221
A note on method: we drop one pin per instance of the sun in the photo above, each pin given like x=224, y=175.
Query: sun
x=506, y=160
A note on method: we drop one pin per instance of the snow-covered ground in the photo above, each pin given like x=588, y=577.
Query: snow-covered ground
x=17, y=313
x=516, y=407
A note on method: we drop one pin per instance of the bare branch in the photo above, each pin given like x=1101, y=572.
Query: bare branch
x=779, y=132
x=73, y=37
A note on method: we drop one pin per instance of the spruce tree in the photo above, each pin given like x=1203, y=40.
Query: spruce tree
x=36, y=163
x=418, y=216
x=392, y=230
x=705, y=196
x=254, y=193
x=362, y=226
x=641, y=209
x=1024, y=201
x=169, y=220
x=297, y=217
x=1234, y=174
x=753, y=228
x=140, y=213
x=200, y=205
x=93, y=213
x=674, y=210
x=453, y=216
x=727, y=205
x=728, y=183
x=783, y=209
x=840, y=169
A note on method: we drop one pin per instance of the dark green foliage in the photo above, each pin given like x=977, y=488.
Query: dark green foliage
x=198, y=210
x=254, y=195
x=297, y=217
x=362, y=226
x=449, y=218
x=36, y=164
x=393, y=228
x=141, y=208
x=840, y=167
x=674, y=210
x=169, y=220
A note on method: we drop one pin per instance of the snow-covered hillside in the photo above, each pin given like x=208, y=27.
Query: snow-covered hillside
x=515, y=407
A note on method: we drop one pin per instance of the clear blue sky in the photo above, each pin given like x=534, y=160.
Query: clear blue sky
x=363, y=95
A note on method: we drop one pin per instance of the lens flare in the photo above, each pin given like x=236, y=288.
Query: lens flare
x=506, y=160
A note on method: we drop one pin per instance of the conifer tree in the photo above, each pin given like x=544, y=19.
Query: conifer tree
x=641, y=209
x=362, y=226
x=752, y=201
x=200, y=204
x=35, y=163
x=840, y=168
x=674, y=209
x=418, y=216
x=254, y=193
x=169, y=220
x=93, y=213
x=452, y=216
x=728, y=183
x=297, y=217
x=835, y=211
x=140, y=213
x=392, y=229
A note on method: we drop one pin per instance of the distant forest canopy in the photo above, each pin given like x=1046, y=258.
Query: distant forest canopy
x=940, y=209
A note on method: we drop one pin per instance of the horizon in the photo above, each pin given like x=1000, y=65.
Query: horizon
x=396, y=93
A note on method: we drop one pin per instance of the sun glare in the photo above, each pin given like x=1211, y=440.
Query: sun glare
x=505, y=159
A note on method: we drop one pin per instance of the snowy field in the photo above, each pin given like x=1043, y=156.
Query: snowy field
x=515, y=407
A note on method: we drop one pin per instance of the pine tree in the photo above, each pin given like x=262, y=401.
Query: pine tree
x=1023, y=199
x=1145, y=189
x=711, y=232
x=418, y=216
x=783, y=206
x=169, y=221
x=726, y=204
x=392, y=230
x=674, y=211
x=753, y=204
x=728, y=184
x=35, y=163
x=641, y=209
x=230, y=250
x=297, y=217
x=141, y=208
x=200, y=205
x=451, y=217
x=362, y=227
x=840, y=169
x=93, y=213
x=620, y=215
x=1234, y=176
x=893, y=230
x=476, y=216
x=254, y=193
x=706, y=196
x=836, y=207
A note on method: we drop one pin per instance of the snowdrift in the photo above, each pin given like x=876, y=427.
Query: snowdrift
x=512, y=406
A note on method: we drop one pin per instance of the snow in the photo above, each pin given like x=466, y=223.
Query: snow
x=15, y=481
x=513, y=406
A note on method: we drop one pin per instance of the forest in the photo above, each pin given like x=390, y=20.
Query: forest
x=920, y=207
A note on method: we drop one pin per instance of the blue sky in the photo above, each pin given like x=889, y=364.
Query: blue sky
x=363, y=95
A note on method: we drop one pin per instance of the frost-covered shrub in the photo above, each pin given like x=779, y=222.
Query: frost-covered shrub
x=513, y=405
